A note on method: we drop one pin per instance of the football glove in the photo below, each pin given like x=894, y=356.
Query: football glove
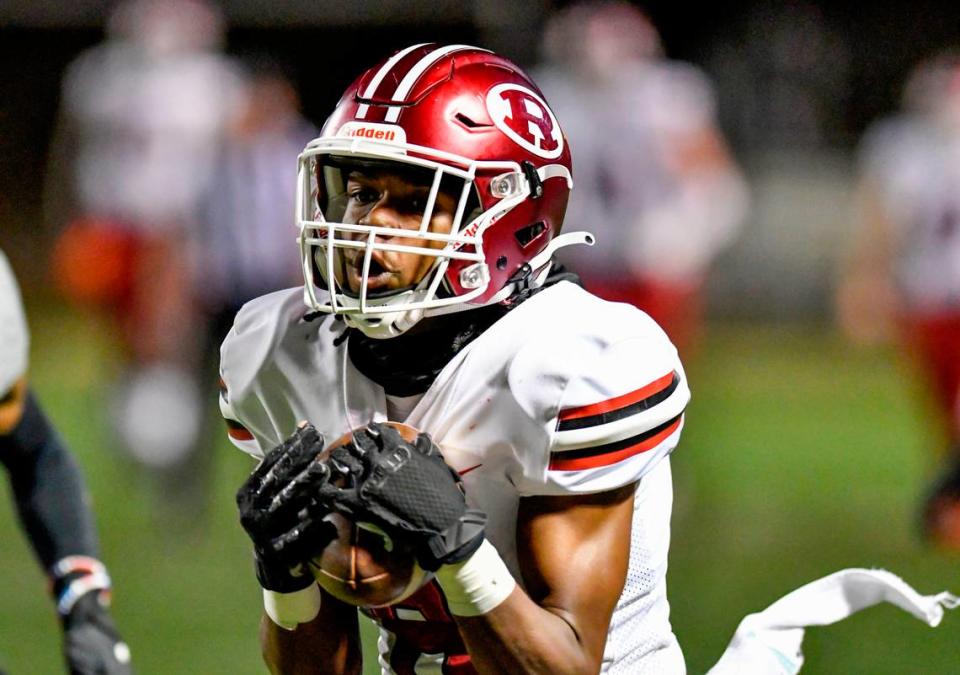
x=281, y=514
x=91, y=643
x=409, y=490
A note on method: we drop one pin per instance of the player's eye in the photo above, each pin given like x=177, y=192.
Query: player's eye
x=363, y=195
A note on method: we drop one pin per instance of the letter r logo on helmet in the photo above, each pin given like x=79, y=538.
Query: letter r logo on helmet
x=526, y=119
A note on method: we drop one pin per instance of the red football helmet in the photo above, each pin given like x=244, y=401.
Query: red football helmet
x=466, y=123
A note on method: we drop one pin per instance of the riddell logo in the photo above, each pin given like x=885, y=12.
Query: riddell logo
x=374, y=132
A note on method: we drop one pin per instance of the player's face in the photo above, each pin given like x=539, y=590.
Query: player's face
x=391, y=200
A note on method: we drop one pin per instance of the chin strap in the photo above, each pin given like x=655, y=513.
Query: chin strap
x=532, y=275
x=526, y=280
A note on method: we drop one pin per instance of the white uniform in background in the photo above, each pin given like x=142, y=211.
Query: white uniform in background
x=144, y=114
x=14, y=336
x=654, y=212
x=915, y=168
x=149, y=108
x=566, y=394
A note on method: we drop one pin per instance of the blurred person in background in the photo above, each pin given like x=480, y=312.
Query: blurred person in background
x=142, y=117
x=902, y=277
x=654, y=179
x=242, y=247
x=53, y=505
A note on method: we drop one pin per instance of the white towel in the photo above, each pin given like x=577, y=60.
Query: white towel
x=768, y=642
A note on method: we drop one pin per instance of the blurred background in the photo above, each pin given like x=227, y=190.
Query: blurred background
x=776, y=183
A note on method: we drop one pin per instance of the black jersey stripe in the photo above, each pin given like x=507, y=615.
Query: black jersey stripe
x=621, y=413
x=597, y=455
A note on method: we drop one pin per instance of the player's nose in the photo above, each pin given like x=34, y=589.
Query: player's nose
x=384, y=214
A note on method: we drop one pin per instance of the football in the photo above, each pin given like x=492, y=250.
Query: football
x=364, y=566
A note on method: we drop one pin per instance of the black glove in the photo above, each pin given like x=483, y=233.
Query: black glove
x=281, y=514
x=91, y=643
x=407, y=489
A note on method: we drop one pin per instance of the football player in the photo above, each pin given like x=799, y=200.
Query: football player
x=51, y=501
x=655, y=179
x=902, y=276
x=429, y=209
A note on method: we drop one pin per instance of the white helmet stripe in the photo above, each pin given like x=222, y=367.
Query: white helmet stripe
x=410, y=79
x=378, y=78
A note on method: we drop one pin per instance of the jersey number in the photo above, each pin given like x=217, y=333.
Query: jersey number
x=422, y=624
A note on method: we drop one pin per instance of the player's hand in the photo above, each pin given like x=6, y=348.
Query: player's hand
x=409, y=489
x=281, y=513
x=91, y=643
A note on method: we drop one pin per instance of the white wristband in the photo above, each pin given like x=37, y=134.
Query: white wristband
x=478, y=584
x=289, y=609
x=85, y=574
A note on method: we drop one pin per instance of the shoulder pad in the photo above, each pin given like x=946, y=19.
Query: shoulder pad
x=614, y=398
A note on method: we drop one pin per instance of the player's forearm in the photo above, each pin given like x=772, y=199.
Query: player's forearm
x=504, y=630
x=48, y=489
x=521, y=637
x=330, y=644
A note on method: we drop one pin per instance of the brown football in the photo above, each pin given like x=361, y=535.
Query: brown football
x=363, y=566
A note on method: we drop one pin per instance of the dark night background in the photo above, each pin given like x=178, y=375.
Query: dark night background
x=880, y=42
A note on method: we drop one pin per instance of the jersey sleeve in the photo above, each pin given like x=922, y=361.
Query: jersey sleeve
x=237, y=432
x=245, y=364
x=619, y=412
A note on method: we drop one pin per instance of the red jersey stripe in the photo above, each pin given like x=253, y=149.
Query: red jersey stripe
x=646, y=391
x=560, y=463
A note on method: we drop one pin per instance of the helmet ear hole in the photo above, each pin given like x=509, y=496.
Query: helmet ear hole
x=528, y=234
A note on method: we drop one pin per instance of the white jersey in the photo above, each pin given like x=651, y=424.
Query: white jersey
x=653, y=212
x=914, y=167
x=149, y=128
x=14, y=337
x=566, y=394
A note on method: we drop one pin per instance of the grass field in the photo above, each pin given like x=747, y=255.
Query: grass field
x=801, y=455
